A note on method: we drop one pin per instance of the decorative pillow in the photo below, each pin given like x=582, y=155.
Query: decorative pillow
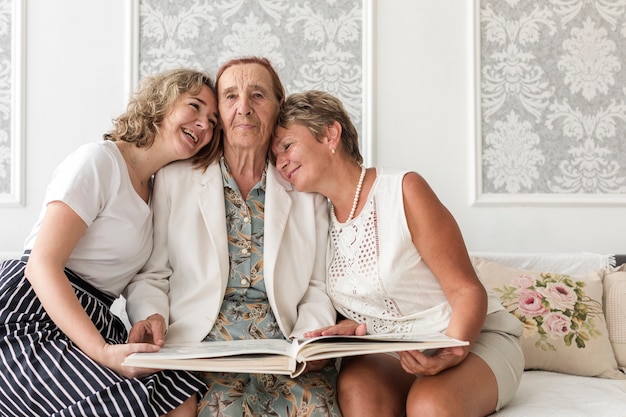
x=615, y=311
x=564, y=326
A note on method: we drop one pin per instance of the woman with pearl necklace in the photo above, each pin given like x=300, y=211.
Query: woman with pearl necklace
x=397, y=264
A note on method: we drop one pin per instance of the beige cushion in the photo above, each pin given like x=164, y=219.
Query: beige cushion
x=615, y=311
x=564, y=325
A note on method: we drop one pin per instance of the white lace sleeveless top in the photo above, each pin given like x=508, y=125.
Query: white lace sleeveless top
x=376, y=276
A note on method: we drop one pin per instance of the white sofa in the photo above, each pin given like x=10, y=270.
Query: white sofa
x=563, y=393
x=571, y=381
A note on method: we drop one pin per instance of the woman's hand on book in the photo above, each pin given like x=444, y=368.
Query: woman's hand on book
x=419, y=363
x=151, y=330
x=345, y=327
x=114, y=355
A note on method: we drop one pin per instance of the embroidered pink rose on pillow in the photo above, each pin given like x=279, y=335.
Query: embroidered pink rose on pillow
x=552, y=306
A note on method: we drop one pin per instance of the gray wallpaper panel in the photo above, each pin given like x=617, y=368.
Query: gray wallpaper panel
x=553, y=99
x=312, y=44
x=6, y=145
x=12, y=165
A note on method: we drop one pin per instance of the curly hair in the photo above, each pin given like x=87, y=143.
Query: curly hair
x=149, y=105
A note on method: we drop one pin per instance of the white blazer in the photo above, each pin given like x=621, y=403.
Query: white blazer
x=186, y=276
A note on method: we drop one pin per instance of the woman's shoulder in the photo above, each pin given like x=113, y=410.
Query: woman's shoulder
x=180, y=167
x=184, y=174
x=103, y=147
x=391, y=177
x=398, y=174
x=98, y=157
x=403, y=183
x=186, y=170
x=391, y=172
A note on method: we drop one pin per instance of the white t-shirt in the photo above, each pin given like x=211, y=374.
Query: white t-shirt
x=94, y=182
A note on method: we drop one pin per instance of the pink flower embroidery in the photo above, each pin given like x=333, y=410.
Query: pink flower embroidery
x=523, y=281
x=530, y=303
x=557, y=324
x=552, y=306
x=560, y=295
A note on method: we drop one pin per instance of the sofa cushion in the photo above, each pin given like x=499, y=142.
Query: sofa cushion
x=615, y=311
x=564, y=325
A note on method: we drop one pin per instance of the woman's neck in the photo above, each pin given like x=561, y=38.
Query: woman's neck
x=246, y=168
x=141, y=167
x=347, y=195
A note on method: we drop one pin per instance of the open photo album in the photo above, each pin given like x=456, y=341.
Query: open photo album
x=279, y=356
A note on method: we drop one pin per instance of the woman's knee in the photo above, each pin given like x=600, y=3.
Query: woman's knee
x=373, y=386
x=429, y=399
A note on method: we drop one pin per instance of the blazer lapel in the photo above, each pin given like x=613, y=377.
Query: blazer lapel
x=210, y=195
x=277, y=209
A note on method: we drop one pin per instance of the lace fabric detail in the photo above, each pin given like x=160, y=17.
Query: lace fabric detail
x=354, y=281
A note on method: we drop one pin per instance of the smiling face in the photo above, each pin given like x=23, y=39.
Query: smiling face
x=300, y=158
x=190, y=123
x=248, y=106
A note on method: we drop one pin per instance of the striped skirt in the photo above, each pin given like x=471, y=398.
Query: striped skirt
x=42, y=373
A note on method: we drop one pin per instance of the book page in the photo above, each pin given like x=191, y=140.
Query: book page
x=259, y=363
x=220, y=348
x=277, y=355
x=325, y=347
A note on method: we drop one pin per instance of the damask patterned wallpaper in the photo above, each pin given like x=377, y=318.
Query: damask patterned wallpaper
x=6, y=144
x=312, y=44
x=553, y=98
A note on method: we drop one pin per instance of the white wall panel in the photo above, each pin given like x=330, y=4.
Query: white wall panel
x=77, y=80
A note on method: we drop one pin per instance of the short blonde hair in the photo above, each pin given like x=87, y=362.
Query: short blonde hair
x=316, y=110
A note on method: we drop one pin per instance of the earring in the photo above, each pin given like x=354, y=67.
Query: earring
x=332, y=151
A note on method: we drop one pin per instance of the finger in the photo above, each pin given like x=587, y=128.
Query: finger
x=316, y=332
x=157, y=329
x=141, y=347
x=158, y=333
x=338, y=331
x=361, y=330
x=417, y=355
x=137, y=333
x=409, y=364
x=457, y=350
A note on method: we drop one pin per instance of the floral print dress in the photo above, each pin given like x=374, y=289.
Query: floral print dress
x=246, y=314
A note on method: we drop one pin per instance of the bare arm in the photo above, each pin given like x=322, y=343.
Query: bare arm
x=60, y=231
x=438, y=239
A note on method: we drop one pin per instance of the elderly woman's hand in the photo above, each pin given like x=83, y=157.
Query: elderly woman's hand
x=151, y=330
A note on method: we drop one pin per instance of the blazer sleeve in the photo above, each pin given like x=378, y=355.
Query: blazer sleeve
x=315, y=309
x=147, y=293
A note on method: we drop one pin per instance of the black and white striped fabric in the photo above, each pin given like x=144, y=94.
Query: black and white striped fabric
x=42, y=373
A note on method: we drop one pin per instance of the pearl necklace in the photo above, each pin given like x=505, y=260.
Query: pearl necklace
x=357, y=194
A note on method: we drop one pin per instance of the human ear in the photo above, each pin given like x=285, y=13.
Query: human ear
x=333, y=134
